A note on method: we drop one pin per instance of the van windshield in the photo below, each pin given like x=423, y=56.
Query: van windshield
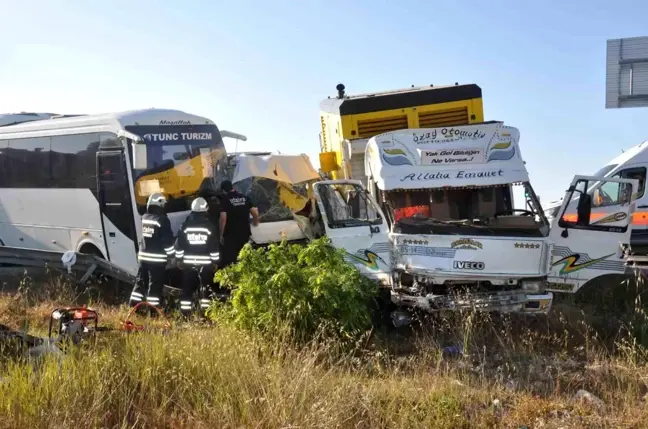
x=484, y=210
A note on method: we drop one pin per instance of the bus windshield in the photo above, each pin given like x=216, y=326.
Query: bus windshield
x=180, y=160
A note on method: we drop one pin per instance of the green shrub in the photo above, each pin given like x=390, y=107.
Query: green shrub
x=308, y=289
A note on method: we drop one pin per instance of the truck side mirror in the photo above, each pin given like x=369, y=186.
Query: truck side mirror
x=584, y=209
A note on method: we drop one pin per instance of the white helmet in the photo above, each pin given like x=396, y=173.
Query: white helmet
x=199, y=205
x=156, y=199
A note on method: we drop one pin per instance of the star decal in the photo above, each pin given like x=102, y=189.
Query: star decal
x=527, y=245
x=408, y=241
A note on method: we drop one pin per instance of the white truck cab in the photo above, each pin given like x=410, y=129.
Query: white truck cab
x=438, y=224
x=439, y=218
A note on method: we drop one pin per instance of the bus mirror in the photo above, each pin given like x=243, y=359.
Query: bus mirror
x=139, y=156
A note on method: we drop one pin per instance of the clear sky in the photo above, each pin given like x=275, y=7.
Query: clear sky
x=262, y=67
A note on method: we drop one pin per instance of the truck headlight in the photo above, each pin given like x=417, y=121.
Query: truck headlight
x=533, y=285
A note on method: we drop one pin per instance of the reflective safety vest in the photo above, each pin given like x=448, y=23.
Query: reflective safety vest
x=158, y=239
x=197, y=242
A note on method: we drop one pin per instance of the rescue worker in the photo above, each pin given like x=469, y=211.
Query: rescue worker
x=213, y=204
x=196, y=249
x=154, y=253
x=235, y=223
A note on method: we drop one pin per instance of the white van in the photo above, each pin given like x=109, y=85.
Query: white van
x=572, y=267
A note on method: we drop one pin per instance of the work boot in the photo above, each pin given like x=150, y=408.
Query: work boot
x=186, y=308
x=204, y=305
x=135, y=298
x=154, y=301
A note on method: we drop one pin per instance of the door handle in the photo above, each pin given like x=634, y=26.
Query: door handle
x=642, y=207
x=111, y=234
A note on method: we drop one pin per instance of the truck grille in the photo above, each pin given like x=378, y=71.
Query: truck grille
x=444, y=118
x=371, y=127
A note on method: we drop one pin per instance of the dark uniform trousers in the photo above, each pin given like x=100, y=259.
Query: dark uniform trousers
x=153, y=258
x=193, y=276
x=197, y=248
x=232, y=246
x=150, y=283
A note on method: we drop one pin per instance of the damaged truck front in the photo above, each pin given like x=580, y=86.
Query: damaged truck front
x=434, y=220
x=436, y=223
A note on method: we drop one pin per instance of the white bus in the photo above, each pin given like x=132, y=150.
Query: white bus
x=81, y=183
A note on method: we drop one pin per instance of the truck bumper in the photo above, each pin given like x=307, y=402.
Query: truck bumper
x=503, y=302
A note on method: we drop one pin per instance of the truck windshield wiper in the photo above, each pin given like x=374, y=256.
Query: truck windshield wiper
x=432, y=220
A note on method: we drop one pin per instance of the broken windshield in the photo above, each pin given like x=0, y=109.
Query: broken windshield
x=485, y=210
x=347, y=205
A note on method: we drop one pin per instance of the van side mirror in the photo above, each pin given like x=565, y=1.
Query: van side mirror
x=584, y=209
x=140, y=161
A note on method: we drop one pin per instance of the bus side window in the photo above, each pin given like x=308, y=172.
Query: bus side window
x=29, y=159
x=73, y=160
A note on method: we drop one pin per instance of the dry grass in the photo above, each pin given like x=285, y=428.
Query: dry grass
x=513, y=373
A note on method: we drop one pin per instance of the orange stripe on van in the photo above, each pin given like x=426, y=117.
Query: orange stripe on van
x=593, y=217
x=638, y=218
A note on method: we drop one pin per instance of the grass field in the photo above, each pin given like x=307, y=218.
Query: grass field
x=513, y=373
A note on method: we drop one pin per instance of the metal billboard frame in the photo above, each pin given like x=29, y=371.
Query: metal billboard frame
x=626, y=74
